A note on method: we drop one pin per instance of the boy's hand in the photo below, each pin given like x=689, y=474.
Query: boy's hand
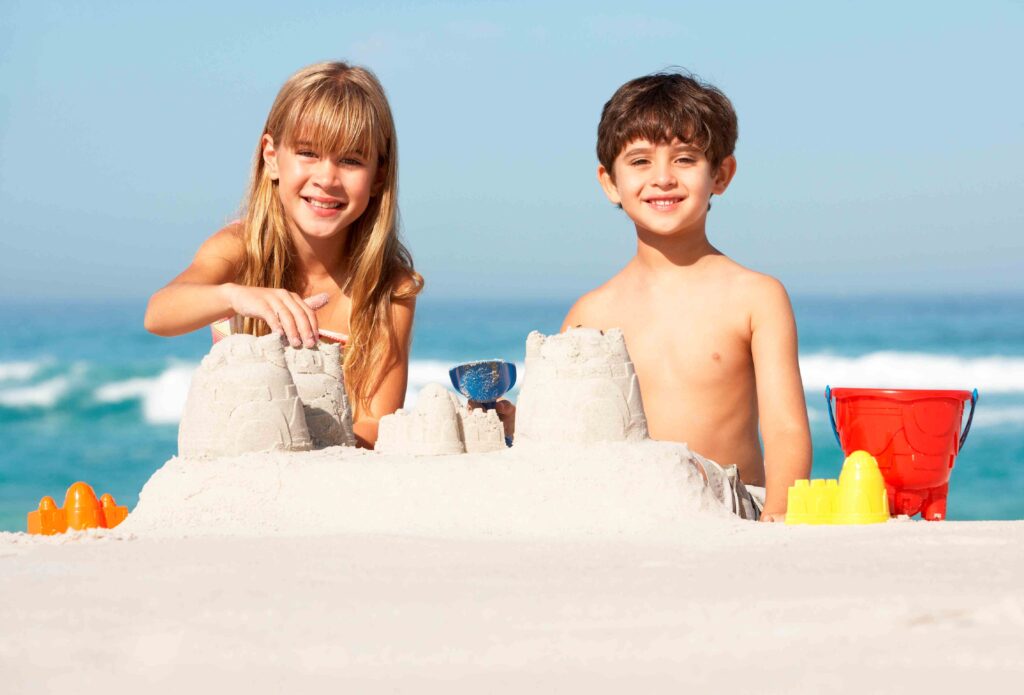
x=771, y=517
x=284, y=312
x=506, y=411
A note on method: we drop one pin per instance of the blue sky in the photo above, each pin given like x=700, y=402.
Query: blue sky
x=880, y=144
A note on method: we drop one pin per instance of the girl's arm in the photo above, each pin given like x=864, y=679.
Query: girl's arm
x=390, y=396
x=206, y=292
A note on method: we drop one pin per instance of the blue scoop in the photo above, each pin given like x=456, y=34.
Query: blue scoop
x=485, y=381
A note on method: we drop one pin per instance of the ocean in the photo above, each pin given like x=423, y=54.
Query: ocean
x=87, y=394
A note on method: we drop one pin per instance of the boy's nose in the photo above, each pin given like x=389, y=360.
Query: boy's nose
x=664, y=178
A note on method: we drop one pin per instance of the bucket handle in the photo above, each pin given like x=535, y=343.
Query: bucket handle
x=970, y=419
x=832, y=417
x=963, y=437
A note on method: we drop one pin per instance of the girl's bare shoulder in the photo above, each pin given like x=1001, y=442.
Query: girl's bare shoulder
x=227, y=243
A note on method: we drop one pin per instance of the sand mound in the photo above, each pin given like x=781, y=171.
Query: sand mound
x=643, y=490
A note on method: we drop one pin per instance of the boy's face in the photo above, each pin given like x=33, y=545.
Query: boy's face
x=665, y=188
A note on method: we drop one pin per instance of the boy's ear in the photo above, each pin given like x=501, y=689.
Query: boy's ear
x=270, y=157
x=604, y=177
x=726, y=170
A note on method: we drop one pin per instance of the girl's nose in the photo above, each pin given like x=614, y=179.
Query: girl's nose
x=326, y=173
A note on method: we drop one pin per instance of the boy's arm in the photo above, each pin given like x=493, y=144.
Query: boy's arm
x=780, y=396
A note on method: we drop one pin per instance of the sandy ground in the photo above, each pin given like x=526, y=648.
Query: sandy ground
x=733, y=607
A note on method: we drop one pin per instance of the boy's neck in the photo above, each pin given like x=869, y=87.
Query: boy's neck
x=658, y=252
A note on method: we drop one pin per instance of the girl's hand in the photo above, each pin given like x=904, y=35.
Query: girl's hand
x=283, y=311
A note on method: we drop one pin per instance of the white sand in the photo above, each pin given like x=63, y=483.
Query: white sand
x=729, y=607
x=642, y=490
x=554, y=566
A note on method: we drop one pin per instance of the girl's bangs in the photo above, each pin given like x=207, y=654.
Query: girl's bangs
x=336, y=121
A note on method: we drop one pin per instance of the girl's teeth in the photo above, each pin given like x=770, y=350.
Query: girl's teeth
x=318, y=204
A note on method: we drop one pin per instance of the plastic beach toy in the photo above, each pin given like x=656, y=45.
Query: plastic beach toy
x=858, y=497
x=81, y=511
x=914, y=435
x=485, y=381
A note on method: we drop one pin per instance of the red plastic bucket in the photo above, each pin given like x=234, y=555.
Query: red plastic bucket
x=913, y=434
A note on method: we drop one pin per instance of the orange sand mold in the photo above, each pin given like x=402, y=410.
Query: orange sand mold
x=81, y=511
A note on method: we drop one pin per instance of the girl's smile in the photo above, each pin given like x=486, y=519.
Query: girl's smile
x=322, y=194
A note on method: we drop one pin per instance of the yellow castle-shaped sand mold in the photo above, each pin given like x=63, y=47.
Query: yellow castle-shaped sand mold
x=858, y=497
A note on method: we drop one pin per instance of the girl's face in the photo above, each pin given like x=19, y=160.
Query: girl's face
x=322, y=193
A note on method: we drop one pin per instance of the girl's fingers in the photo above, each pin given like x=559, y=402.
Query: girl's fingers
x=317, y=301
x=301, y=317
x=310, y=310
x=273, y=323
x=286, y=315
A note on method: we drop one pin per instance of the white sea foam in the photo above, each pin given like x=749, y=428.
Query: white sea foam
x=988, y=374
x=998, y=417
x=19, y=371
x=163, y=396
x=45, y=394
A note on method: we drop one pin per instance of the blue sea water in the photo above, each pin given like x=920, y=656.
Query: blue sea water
x=98, y=398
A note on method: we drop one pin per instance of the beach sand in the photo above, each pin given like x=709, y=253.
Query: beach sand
x=728, y=606
x=586, y=558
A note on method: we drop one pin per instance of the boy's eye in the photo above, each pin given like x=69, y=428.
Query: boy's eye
x=686, y=160
x=639, y=161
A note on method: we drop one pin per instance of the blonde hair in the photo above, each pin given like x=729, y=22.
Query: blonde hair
x=337, y=108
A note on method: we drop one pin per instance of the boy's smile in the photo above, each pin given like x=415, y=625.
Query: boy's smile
x=664, y=187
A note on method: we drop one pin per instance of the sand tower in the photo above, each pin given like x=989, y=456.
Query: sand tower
x=243, y=399
x=580, y=387
x=318, y=377
x=439, y=424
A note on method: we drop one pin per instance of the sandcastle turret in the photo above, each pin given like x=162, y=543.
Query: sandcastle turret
x=580, y=387
x=318, y=377
x=243, y=399
x=439, y=424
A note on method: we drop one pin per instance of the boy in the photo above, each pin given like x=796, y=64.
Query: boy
x=713, y=343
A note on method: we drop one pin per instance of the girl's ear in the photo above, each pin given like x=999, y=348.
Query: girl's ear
x=379, y=178
x=270, y=157
x=604, y=177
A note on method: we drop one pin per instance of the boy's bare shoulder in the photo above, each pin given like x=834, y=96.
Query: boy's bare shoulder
x=753, y=290
x=595, y=308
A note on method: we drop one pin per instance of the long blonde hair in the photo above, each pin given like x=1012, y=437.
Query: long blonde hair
x=337, y=108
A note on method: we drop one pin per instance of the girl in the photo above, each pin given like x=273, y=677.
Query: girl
x=321, y=223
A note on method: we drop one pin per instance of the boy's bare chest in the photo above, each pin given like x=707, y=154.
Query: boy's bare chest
x=687, y=343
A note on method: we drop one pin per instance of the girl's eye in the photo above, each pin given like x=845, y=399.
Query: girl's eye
x=351, y=162
x=306, y=153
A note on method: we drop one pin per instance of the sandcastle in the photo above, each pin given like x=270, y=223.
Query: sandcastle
x=580, y=387
x=582, y=463
x=254, y=394
x=438, y=425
